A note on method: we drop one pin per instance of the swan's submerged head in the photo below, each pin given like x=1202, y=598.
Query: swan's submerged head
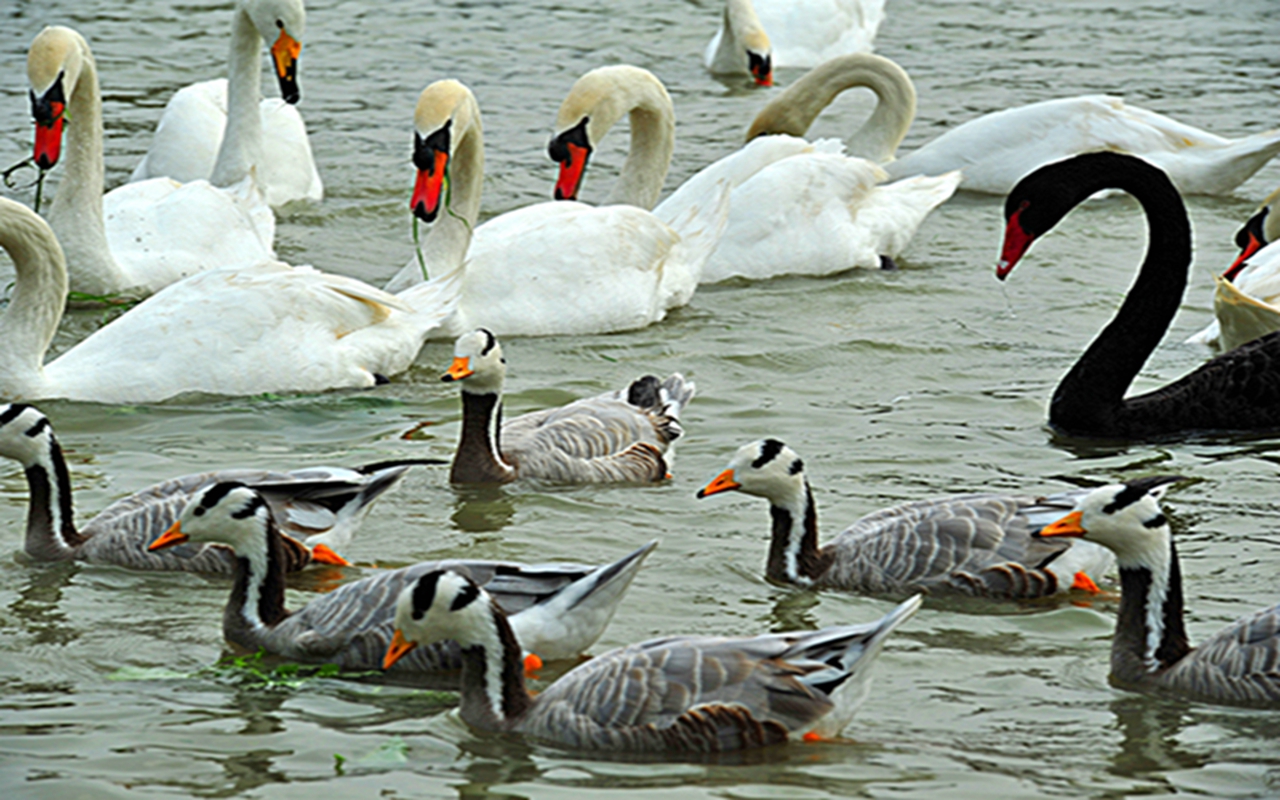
x=54, y=62
x=281, y=23
x=760, y=65
x=477, y=359
x=765, y=468
x=1125, y=518
x=446, y=112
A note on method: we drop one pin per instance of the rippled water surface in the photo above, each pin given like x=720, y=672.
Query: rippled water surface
x=893, y=386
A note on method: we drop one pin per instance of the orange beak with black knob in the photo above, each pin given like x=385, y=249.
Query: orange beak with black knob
x=572, y=150
x=285, y=53
x=49, y=111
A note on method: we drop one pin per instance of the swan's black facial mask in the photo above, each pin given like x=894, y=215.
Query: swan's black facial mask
x=571, y=149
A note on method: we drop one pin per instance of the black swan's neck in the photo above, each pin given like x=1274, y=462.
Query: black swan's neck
x=1090, y=399
x=479, y=456
x=1150, y=636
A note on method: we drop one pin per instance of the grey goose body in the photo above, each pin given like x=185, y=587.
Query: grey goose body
x=558, y=609
x=976, y=545
x=623, y=436
x=319, y=507
x=690, y=694
x=1150, y=651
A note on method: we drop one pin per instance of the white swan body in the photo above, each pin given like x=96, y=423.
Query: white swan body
x=1246, y=298
x=996, y=150
x=807, y=209
x=140, y=237
x=223, y=129
x=266, y=328
x=549, y=268
x=792, y=33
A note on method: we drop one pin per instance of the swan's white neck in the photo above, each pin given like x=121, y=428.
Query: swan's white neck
x=76, y=212
x=793, y=111
x=242, y=140
x=35, y=307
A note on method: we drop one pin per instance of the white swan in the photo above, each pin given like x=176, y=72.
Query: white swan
x=142, y=236
x=1246, y=298
x=266, y=328
x=757, y=35
x=557, y=267
x=807, y=209
x=220, y=129
x=998, y=149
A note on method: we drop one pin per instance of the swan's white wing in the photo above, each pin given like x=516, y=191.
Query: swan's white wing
x=997, y=149
x=1247, y=308
x=268, y=328
x=186, y=141
x=804, y=33
x=524, y=267
x=160, y=231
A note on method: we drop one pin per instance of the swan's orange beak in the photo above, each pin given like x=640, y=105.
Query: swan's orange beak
x=459, y=369
x=285, y=54
x=1016, y=242
x=723, y=482
x=323, y=554
x=396, y=650
x=169, y=538
x=571, y=171
x=1067, y=526
x=429, y=188
x=1252, y=246
x=49, y=113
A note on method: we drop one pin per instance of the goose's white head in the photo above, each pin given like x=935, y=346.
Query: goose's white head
x=25, y=433
x=1125, y=518
x=447, y=113
x=282, y=25
x=439, y=605
x=766, y=468
x=55, y=60
x=477, y=359
x=228, y=513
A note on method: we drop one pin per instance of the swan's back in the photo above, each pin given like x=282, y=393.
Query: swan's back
x=804, y=33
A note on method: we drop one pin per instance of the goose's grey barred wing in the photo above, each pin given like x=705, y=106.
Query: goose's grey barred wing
x=1240, y=664
x=713, y=694
x=978, y=544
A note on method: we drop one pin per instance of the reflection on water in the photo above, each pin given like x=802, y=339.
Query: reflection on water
x=37, y=603
x=1150, y=726
x=482, y=509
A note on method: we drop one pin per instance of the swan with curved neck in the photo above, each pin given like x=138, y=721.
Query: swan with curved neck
x=224, y=130
x=554, y=267
x=798, y=208
x=265, y=328
x=757, y=35
x=1150, y=651
x=1238, y=391
x=126, y=242
x=1246, y=297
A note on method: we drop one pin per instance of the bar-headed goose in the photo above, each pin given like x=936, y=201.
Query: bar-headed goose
x=320, y=507
x=975, y=544
x=558, y=610
x=622, y=436
x=1239, y=665
x=680, y=693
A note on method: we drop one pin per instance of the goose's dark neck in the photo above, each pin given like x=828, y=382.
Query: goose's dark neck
x=794, y=556
x=493, y=691
x=51, y=528
x=479, y=455
x=1150, y=636
x=1091, y=396
x=257, y=596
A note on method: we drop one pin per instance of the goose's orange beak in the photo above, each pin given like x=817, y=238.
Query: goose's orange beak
x=723, y=482
x=285, y=54
x=1067, y=526
x=323, y=554
x=170, y=537
x=459, y=369
x=396, y=650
